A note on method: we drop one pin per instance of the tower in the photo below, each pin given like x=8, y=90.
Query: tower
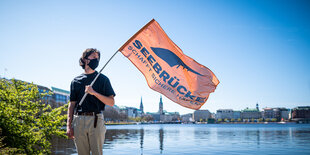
x=141, y=106
x=257, y=106
x=161, y=108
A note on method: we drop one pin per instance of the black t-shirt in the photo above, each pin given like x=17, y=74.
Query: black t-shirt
x=91, y=103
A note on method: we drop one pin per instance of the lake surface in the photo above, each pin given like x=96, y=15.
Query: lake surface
x=199, y=139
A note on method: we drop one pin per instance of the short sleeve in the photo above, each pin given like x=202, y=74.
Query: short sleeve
x=108, y=88
x=73, y=94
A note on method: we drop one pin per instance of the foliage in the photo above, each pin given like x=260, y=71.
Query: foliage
x=274, y=120
x=211, y=120
x=111, y=114
x=27, y=120
x=148, y=118
x=4, y=149
x=144, y=118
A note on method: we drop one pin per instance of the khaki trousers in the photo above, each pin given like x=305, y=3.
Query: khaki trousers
x=87, y=138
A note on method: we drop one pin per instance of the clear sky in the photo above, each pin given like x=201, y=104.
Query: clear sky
x=259, y=50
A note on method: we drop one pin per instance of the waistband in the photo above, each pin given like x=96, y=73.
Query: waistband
x=88, y=113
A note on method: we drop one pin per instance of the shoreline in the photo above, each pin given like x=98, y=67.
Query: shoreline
x=142, y=123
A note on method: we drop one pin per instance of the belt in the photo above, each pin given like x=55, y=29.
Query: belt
x=90, y=114
x=87, y=113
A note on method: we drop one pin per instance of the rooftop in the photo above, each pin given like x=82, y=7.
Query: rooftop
x=58, y=90
x=302, y=108
x=250, y=110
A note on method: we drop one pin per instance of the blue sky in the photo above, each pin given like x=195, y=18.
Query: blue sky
x=259, y=50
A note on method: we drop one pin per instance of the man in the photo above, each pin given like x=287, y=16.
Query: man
x=86, y=126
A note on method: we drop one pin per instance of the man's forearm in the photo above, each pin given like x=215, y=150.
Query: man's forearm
x=70, y=113
x=108, y=100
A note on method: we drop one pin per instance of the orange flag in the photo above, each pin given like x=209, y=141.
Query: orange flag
x=167, y=69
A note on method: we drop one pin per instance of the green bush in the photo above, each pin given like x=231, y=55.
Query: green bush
x=27, y=121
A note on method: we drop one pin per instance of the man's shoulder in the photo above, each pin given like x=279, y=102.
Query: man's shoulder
x=79, y=78
x=103, y=77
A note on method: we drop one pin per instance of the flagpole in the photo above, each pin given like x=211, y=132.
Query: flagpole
x=92, y=83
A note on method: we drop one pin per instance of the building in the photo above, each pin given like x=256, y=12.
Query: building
x=170, y=117
x=156, y=116
x=213, y=115
x=237, y=115
x=187, y=118
x=224, y=114
x=285, y=114
x=130, y=111
x=139, y=113
x=60, y=97
x=164, y=116
x=268, y=113
x=250, y=114
x=201, y=115
x=301, y=114
x=47, y=99
x=276, y=113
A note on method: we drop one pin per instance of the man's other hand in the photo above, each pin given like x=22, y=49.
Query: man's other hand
x=70, y=132
x=89, y=90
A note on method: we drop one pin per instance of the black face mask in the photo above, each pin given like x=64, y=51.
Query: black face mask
x=93, y=63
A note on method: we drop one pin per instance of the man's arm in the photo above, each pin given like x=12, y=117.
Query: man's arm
x=108, y=100
x=69, y=119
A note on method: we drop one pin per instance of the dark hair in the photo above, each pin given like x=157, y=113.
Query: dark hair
x=87, y=53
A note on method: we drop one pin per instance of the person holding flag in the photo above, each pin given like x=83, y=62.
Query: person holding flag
x=85, y=121
x=165, y=67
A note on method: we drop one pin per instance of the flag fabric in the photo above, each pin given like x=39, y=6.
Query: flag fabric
x=167, y=69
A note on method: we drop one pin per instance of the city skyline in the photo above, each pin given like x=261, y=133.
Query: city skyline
x=161, y=105
x=249, y=107
x=259, y=50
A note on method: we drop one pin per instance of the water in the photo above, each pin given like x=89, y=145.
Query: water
x=198, y=139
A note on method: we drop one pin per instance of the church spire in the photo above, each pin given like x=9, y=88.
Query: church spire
x=161, y=108
x=257, y=108
x=141, y=105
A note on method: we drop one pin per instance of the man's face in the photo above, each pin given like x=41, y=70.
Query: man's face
x=94, y=55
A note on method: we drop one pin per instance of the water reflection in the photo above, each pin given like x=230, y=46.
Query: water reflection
x=124, y=138
x=62, y=146
x=199, y=139
x=161, y=140
x=141, y=140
